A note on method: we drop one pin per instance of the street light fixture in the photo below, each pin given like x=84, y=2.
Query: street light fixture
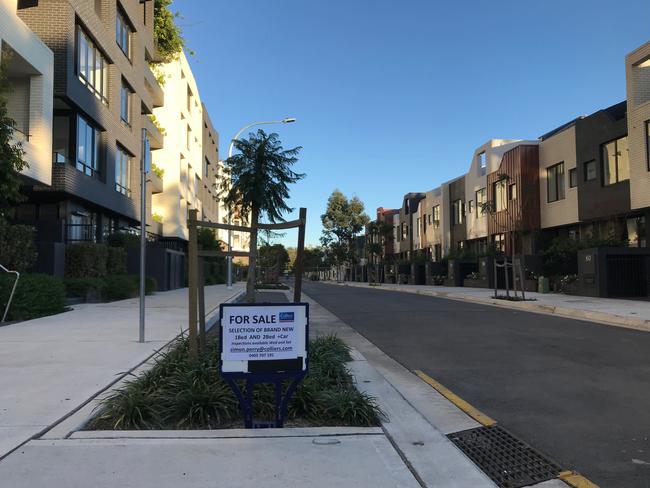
x=286, y=120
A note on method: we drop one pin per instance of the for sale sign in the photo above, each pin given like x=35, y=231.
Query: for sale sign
x=273, y=336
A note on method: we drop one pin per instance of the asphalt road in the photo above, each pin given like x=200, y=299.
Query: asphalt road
x=578, y=392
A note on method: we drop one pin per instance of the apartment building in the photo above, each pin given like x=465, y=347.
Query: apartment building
x=407, y=222
x=103, y=91
x=209, y=191
x=188, y=174
x=29, y=70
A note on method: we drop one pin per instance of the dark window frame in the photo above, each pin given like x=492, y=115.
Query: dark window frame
x=119, y=186
x=617, y=178
x=573, y=177
x=586, y=170
x=100, y=91
x=557, y=181
x=125, y=27
x=82, y=165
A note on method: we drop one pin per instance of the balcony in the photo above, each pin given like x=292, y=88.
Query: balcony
x=156, y=137
x=155, y=182
x=153, y=87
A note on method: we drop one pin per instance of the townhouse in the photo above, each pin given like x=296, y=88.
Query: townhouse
x=586, y=179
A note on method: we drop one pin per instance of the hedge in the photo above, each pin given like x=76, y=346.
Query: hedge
x=121, y=287
x=37, y=295
x=81, y=287
x=17, y=248
x=85, y=260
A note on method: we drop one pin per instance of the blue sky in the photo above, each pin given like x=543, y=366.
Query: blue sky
x=393, y=97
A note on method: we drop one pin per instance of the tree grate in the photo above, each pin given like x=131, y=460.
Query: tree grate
x=509, y=462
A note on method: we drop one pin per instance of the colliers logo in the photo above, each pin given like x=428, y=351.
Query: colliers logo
x=286, y=316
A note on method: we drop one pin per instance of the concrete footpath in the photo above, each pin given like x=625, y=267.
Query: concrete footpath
x=409, y=450
x=51, y=366
x=631, y=314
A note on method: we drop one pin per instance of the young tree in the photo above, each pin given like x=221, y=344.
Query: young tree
x=11, y=151
x=343, y=219
x=256, y=182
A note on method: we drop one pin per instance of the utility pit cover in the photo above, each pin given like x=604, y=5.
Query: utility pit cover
x=509, y=462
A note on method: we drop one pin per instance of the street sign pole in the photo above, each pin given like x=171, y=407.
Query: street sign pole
x=144, y=169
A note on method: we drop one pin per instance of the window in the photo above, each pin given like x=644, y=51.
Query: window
x=436, y=216
x=636, y=231
x=470, y=205
x=123, y=172
x=647, y=143
x=123, y=34
x=555, y=183
x=207, y=168
x=87, y=147
x=92, y=67
x=480, y=201
x=512, y=192
x=616, y=161
x=590, y=171
x=418, y=223
x=500, y=202
x=499, y=242
x=457, y=212
x=189, y=100
x=573, y=177
x=482, y=160
x=189, y=137
x=125, y=103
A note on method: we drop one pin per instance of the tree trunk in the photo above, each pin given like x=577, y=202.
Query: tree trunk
x=252, y=260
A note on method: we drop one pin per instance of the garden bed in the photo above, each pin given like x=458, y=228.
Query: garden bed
x=181, y=393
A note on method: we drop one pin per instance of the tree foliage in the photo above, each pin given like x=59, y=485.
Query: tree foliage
x=168, y=35
x=11, y=151
x=343, y=219
x=273, y=256
x=257, y=183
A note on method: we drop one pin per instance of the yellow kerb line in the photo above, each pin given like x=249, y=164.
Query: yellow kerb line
x=476, y=414
x=576, y=480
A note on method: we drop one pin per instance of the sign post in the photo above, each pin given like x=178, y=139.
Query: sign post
x=264, y=343
x=145, y=167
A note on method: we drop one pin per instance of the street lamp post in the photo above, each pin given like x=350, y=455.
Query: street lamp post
x=287, y=120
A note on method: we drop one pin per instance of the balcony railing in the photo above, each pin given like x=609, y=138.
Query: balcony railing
x=81, y=232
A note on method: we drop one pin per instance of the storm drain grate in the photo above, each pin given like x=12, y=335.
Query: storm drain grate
x=509, y=462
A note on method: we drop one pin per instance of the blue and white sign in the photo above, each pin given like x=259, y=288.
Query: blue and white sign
x=265, y=332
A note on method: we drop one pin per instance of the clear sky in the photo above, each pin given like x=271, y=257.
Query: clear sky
x=394, y=96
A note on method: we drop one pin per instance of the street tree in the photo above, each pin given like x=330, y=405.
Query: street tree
x=343, y=220
x=256, y=183
x=11, y=151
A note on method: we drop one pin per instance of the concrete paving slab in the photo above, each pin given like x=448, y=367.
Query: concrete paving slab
x=226, y=433
x=51, y=366
x=363, y=461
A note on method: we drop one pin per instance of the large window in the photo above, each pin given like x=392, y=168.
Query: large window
x=481, y=198
x=457, y=212
x=499, y=242
x=125, y=103
x=500, y=196
x=123, y=172
x=87, y=147
x=555, y=183
x=436, y=216
x=616, y=161
x=92, y=67
x=123, y=34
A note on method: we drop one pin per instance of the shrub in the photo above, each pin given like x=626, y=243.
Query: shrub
x=85, y=260
x=179, y=392
x=116, y=261
x=120, y=287
x=37, y=295
x=17, y=248
x=80, y=287
x=123, y=239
